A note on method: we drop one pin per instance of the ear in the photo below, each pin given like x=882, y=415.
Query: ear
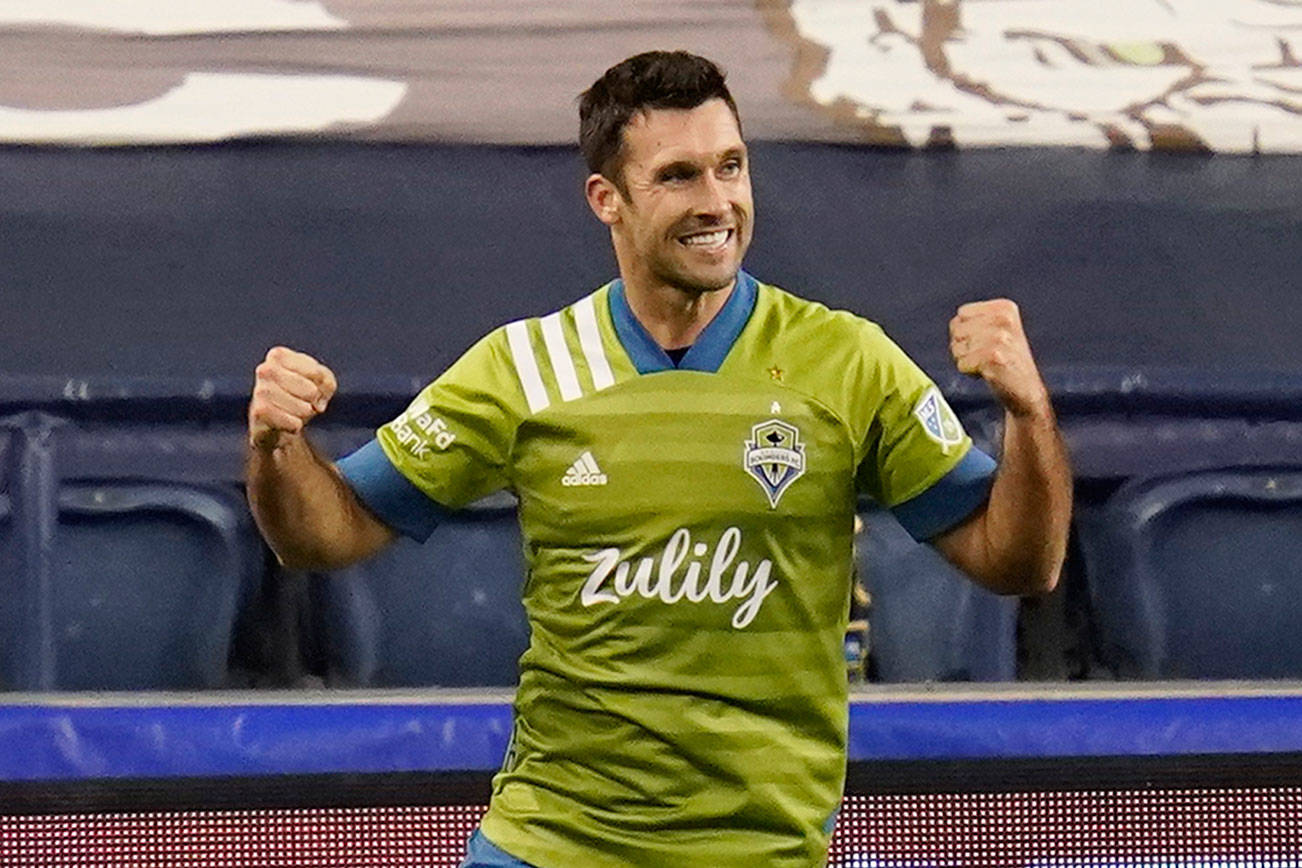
x=603, y=198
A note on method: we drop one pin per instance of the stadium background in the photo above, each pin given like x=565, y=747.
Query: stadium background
x=182, y=187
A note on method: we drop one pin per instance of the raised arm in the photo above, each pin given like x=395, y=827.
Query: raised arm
x=307, y=514
x=1016, y=543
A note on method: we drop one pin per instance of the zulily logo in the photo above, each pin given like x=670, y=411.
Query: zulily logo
x=614, y=579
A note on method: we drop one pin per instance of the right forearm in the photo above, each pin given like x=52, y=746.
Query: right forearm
x=306, y=512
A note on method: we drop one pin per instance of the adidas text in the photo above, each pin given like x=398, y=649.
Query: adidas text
x=584, y=479
x=584, y=472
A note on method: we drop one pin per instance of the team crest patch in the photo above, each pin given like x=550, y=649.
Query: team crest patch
x=775, y=457
x=938, y=420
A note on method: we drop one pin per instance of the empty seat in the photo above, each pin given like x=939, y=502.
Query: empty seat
x=447, y=612
x=10, y=599
x=1199, y=575
x=139, y=589
x=927, y=620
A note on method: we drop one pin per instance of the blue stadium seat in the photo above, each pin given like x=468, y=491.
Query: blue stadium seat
x=150, y=579
x=140, y=590
x=1199, y=575
x=928, y=621
x=446, y=613
x=10, y=598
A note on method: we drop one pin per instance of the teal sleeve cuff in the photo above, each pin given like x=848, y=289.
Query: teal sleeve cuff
x=952, y=498
x=389, y=494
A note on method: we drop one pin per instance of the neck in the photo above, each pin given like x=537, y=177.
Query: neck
x=674, y=317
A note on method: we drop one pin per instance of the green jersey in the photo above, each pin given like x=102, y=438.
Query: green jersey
x=687, y=533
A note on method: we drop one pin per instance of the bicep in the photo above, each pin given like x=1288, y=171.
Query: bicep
x=370, y=534
x=964, y=546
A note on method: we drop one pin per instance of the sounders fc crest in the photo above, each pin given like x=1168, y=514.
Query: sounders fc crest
x=775, y=457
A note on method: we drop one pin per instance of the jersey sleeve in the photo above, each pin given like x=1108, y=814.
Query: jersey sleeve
x=916, y=458
x=449, y=447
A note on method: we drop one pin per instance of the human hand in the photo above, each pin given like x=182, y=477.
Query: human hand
x=289, y=390
x=986, y=339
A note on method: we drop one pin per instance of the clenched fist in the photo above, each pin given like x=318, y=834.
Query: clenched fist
x=986, y=339
x=289, y=390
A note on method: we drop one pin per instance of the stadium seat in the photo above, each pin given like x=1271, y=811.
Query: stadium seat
x=140, y=589
x=10, y=600
x=445, y=613
x=927, y=621
x=1199, y=575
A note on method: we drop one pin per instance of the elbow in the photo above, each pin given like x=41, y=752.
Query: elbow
x=1041, y=583
x=1022, y=579
x=302, y=560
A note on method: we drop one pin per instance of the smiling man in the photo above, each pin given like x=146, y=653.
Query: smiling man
x=687, y=445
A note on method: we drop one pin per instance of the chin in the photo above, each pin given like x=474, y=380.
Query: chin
x=703, y=280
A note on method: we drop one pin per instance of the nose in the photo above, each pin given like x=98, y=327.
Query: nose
x=713, y=199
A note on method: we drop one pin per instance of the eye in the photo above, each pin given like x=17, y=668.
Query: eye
x=675, y=174
x=730, y=169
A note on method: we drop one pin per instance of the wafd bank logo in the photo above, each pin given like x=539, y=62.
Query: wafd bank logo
x=1194, y=75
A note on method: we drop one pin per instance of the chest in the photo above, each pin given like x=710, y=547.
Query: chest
x=676, y=447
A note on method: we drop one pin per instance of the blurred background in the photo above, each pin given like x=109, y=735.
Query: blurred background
x=184, y=185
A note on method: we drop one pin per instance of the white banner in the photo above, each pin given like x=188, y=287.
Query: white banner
x=1201, y=75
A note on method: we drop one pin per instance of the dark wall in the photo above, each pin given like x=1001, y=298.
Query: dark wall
x=392, y=259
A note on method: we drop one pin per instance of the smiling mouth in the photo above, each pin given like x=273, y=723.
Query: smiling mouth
x=710, y=241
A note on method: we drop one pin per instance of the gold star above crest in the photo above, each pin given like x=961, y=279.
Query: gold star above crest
x=775, y=373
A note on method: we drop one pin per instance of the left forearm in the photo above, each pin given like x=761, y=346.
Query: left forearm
x=1029, y=512
x=1017, y=543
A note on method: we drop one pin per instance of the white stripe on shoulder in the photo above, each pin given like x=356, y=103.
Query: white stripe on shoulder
x=559, y=353
x=585, y=317
x=526, y=366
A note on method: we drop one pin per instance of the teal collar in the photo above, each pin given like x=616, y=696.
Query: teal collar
x=712, y=345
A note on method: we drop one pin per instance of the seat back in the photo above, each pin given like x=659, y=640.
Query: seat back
x=149, y=579
x=927, y=620
x=140, y=589
x=446, y=613
x=1199, y=575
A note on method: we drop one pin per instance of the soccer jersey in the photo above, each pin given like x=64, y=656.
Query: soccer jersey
x=687, y=533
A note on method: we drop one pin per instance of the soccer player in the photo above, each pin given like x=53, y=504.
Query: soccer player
x=687, y=444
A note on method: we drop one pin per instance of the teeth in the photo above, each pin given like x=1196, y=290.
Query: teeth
x=708, y=239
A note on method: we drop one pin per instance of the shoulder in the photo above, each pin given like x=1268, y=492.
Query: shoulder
x=547, y=361
x=798, y=321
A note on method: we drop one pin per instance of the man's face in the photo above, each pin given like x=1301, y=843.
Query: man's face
x=685, y=219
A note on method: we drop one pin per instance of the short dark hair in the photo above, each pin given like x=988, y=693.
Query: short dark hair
x=652, y=80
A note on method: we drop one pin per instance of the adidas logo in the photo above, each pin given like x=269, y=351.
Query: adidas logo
x=584, y=472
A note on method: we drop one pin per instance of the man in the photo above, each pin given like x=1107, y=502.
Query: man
x=687, y=445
